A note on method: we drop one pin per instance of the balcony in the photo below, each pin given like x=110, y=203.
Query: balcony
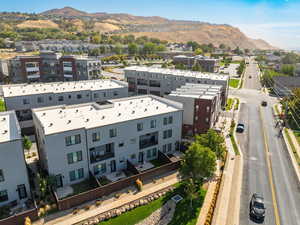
x=98, y=158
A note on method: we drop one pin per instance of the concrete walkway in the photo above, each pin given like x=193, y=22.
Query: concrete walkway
x=228, y=203
x=67, y=218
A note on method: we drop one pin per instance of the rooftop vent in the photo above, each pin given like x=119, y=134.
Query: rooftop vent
x=51, y=124
x=133, y=112
x=60, y=111
x=5, y=131
x=87, y=120
x=3, y=119
x=156, y=107
x=44, y=114
x=103, y=117
x=69, y=121
x=119, y=114
x=76, y=110
x=145, y=110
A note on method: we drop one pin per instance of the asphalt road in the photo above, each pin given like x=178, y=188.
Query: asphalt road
x=256, y=170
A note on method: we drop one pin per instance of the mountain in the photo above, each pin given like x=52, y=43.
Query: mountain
x=154, y=26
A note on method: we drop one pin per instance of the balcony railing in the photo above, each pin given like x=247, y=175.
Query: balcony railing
x=99, y=158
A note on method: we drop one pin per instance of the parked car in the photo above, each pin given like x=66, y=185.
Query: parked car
x=257, y=207
x=240, y=128
x=264, y=103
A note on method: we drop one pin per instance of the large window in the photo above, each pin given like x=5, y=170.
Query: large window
x=25, y=101
x=96, y=136
x=76, y=174
x=168, y=120
x=102, y=152
x=148, y=140
x=74, y=157
x=3, y=196
x=1, y=176
x=113, y=132
x=142, y=82
x=167, y=134
x=139, y=126
x=73, y=140
x=154, y=83
x=40, y=99
x=153, y=124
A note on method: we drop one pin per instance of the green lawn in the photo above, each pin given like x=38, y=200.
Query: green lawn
x=236, y=106
x=182, y=216
x=233, y=141
x=229, y=104
x=2, y=106
x=234, y=83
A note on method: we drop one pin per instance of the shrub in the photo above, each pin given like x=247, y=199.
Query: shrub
x=139, y=184
x=98, y=203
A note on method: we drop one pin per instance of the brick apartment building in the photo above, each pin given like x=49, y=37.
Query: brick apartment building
x=201, y=105
x=53, y=67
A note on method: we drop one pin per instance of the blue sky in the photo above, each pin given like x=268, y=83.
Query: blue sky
x=276, y=21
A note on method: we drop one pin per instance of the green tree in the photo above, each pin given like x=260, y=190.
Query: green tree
x=118, y=49
x=214, y=141
x=288, y=69
x=133, y=49
x=222, y=46
x=160, y=48
x=149, y=48
x=180, y=66
x=290, y=58
x=197, y=67
x=96, y=39
x=198, y=163
x=191, y=191
x=193, y=44
x=27, y=143
x=198, y=51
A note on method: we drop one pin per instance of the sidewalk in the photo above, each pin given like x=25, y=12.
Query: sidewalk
x=108, y=204
x=228, y=204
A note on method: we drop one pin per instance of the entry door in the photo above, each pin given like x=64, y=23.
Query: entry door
x=59, y=181
x=141, y=157
x=113, y=166
x=22, y=191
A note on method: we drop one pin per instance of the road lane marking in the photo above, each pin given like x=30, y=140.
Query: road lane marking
x=273, y=191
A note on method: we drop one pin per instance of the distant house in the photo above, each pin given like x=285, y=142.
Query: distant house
x=283, y=85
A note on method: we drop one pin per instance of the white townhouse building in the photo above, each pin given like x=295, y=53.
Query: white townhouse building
x=14, y=183
x=77, y=139
x=160, y=81
x=24, y=97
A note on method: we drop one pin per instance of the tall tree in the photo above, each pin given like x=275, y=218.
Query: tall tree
x=214, y=141
x=132, y=49
x=198, y=163
x=191, y=191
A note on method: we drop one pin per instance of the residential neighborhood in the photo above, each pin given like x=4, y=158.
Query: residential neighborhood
x=111, y=118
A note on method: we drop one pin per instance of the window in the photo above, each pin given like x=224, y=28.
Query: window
x=122, y=159
x=154, y=152
x=101, y=168
x=96, y=95
x=167, y=134
x=3, y=196
x=121, y=144
x=22, y=191
x=76, y=174
x=40, y=99
x=207, y=109
x=50, y=98
x=196, y=118
x=169, y=147
x=25, y=101
x=1, y=176
x=113, y=132
x=73, y=140
x=153, y=124
x=104, y=94
x=168, y=120
x=74, y=157
x=148, y=140
x=70, y=96
x=79, y=96
x=60, y=98
x=139, y=126
x=116, y=93
x=207, y=120
x=149, y=155
x=165, y=120
x=164, y=148
x=96, y=136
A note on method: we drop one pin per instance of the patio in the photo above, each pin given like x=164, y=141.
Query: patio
x=115, y=176
x=175, y=156
x=144, y=166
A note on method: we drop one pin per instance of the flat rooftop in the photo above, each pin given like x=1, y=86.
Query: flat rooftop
x=9, y=127
x=62, y=118
x=182, y=73
x=60, y=87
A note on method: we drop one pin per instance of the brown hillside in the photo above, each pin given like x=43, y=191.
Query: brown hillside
x=37, y=24
x=105, y=27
